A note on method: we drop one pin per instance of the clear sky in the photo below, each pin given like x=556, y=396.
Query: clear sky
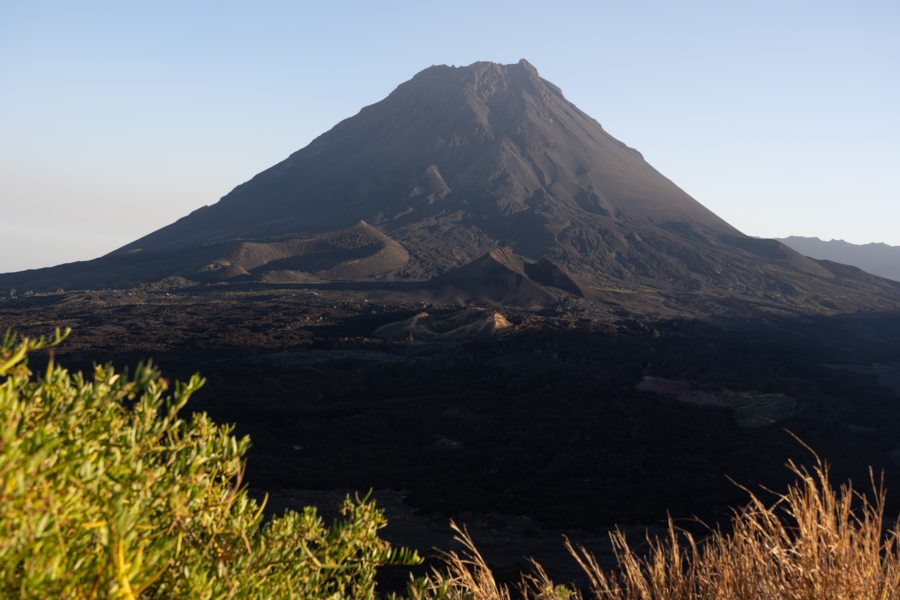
x=117, y=118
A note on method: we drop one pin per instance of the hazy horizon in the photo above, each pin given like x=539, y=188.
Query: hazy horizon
x=118, y=120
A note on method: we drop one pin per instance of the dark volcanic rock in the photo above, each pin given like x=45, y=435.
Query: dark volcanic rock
x=490, y=148
x=501, y=276
x=451, y=165
x=498, y=276
x=547, y=272
x=491, y=418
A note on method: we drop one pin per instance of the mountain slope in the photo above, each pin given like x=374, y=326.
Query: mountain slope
x=504, y=277
x=454, y=164
x=487, y=154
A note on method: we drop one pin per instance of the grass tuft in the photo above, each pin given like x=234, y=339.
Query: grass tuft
x=812, y=542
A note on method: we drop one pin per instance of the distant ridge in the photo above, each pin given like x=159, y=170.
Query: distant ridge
x=879, y=259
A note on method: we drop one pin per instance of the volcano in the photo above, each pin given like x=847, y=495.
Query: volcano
x=454, y=165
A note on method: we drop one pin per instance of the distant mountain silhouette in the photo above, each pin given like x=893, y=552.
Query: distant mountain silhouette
x=451, y=166
x=879, y=259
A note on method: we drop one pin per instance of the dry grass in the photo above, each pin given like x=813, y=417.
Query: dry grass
x=812, y=542
x=468, y=576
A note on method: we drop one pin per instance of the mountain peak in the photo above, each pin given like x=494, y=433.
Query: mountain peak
x=483, y=78
x=484, y=155
x=486, y=165
x=480, y=67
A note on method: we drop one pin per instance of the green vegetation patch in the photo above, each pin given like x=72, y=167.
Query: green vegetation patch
x=106, y=492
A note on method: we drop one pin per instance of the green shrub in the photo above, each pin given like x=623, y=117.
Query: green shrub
x=105, y=492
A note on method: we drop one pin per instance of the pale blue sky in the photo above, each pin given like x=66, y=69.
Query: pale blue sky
x=116, y=118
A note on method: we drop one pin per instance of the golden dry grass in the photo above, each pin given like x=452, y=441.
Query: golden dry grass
x=811, y=542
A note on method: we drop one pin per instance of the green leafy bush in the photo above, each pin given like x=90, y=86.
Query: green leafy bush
x=105, y=492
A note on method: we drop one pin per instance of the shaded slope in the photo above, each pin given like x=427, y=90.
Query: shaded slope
x=502, y=276
x=548, y=273
x=498, y=276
